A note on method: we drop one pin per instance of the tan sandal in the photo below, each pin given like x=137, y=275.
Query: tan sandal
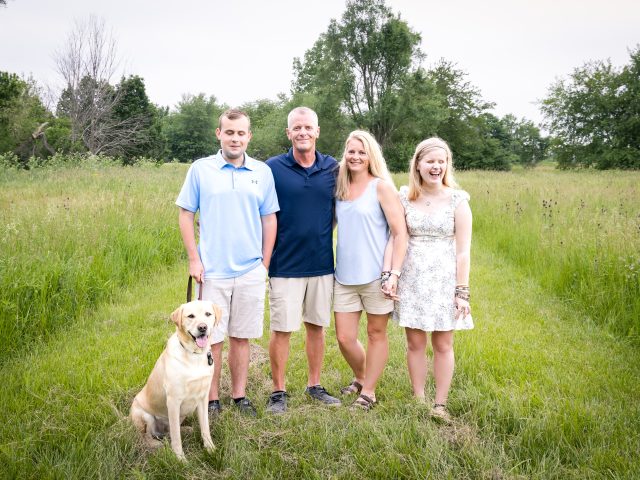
x=364, y=402
x=439, y=412
x=353, y=387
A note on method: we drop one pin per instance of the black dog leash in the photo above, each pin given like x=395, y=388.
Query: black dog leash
x=190, y=288
x=189, y=293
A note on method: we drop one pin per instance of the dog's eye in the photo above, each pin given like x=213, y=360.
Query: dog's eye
x=191, y=315
x=208, y=314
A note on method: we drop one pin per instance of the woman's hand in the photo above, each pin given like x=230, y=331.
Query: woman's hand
x=390, y=286
x=462, y=309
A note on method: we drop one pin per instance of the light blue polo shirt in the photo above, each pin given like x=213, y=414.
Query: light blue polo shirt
x=231, y=201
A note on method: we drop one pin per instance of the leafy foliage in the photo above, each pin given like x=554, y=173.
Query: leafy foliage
x=21, y=113
x=366, y=68
x=134, y=104
x=360, y=64
x=268, y=122
x=595, y=115
x=365, y=71
x=190, y=130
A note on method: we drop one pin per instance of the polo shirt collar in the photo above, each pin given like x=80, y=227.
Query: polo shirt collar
x=249, y=163
x=320, y=163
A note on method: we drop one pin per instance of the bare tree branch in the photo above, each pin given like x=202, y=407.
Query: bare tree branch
x=87, y=63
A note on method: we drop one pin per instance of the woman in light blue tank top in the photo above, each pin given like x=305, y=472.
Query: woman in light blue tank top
x=372, y=241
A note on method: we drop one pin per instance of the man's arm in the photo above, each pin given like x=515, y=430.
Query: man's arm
x=185, y=221
x=269, y=229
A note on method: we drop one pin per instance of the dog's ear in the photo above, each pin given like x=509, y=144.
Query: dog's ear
x=176, y=316
x=218, y=311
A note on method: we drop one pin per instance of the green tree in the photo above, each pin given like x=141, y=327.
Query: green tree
x=23, y=118
x=190, y=131
x=134, y=105
x=419, y=112
x=365, y=72
x=595, y=115
x=358, y=66
x=268, y=123
x=627, y=126
x=468, y=126
x=11, y=89
x=525, y=140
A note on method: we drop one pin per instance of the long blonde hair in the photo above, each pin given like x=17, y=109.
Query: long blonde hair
x=377, y=164
x=415, y=180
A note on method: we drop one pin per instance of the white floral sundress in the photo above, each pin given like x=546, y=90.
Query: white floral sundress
x=427, y=285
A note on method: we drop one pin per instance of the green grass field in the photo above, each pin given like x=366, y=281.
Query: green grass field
x=546, y=385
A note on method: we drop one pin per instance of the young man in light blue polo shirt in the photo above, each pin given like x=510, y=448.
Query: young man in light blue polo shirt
x=237, y=201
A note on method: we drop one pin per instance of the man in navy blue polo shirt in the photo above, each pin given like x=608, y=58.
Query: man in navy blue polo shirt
x=301, y=270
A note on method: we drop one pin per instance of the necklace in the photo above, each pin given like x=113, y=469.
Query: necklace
x=427, y=202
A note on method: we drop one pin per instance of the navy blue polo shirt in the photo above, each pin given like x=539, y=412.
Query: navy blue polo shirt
x=304, y=242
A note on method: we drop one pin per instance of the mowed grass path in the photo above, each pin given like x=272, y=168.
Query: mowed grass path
x=538, y=393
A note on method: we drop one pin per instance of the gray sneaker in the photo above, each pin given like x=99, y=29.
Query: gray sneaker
x=277, y=402
x=245, y=406
x=215, y=408
x=317, y=392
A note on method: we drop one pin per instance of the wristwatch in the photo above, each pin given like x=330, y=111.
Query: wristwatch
x=397, y=273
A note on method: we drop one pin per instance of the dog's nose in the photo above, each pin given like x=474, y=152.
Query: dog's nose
x=202, y=328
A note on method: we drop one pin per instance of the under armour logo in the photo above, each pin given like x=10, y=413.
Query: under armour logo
x=254, y=181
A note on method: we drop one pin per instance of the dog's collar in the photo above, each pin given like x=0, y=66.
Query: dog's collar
x=209, y=356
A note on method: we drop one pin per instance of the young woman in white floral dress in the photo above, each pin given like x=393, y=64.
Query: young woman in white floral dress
x=433, y=291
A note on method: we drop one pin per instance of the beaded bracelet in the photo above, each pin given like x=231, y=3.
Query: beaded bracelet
x=462, y=292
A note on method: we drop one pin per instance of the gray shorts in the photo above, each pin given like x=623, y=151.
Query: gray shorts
x=242, y=302
x=293, y=300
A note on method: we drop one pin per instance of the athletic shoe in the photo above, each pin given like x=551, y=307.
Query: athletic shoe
x=317, y=392
x=245, y=406
x=277, y=402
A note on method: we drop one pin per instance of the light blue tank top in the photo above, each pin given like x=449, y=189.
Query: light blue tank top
x=363, y=233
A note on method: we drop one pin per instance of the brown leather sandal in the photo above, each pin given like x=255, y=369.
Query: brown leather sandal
x=353, y=387
x=364, y=402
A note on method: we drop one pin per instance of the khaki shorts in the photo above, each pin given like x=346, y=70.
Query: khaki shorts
x=293, y=300
x=242, y=302
x=355, y=298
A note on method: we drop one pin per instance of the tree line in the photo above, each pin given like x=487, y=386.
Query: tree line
x=365, y=71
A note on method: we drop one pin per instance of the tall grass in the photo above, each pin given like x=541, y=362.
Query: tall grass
x=72, y=236
x=535, y=395
x=89, y=264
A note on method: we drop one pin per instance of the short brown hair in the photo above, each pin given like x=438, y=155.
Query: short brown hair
x=233, y=114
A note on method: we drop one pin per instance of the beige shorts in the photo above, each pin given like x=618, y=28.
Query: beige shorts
x=242, y=302
x=293, y=300
x=355, y=298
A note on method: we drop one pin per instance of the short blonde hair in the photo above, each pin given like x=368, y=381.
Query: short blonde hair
x=301, y=111
x=415, y=180
x=377, y=164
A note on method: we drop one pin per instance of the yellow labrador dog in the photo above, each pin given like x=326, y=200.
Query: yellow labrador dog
x=180, y=380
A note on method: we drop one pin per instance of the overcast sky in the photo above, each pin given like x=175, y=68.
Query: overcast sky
x=242, y=51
